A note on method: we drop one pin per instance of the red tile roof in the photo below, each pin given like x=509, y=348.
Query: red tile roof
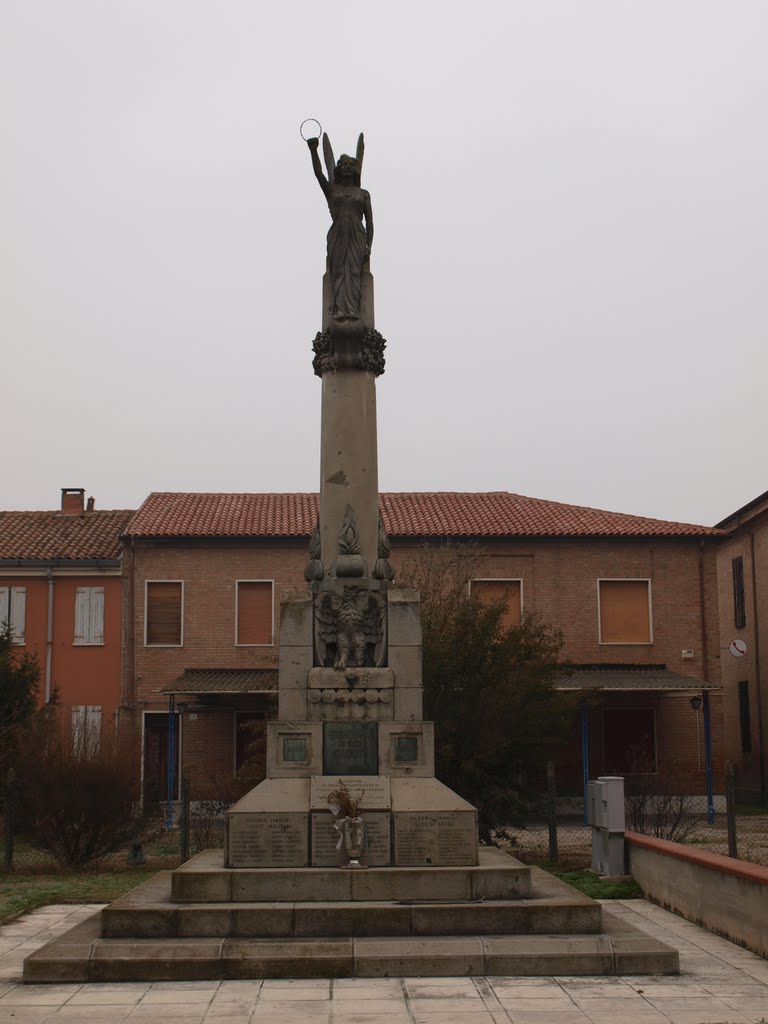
x=45, y=536
x=440, y=514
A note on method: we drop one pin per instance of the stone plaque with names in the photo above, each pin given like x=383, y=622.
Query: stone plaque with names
x=350, y=748
x=268, y=840
x=325, y=838
x=435, y=838
x=376, y=790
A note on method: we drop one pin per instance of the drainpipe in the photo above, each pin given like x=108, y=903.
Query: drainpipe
x=702, y=606
x=49, y=640
x=708, y=759
x=585, y=755
x=756, y=643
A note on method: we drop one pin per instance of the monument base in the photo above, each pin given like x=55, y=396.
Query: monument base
x=411, y=822
x=207, y=922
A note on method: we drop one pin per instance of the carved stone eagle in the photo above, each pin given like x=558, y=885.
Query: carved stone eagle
x=350, y=625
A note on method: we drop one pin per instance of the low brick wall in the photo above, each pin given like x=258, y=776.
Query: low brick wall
x=724, y=895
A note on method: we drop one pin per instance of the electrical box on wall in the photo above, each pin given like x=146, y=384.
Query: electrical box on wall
x=687, y=654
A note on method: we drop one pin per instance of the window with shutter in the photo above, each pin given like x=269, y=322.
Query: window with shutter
x=739, y=605
x=744, y=719
x=164, y=613
x=625, y=611
x=508, y=591
x=89, y=616
x=255, y=619
x=13, y=612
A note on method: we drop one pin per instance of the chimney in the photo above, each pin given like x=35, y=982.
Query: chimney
x=72, y=501
x=89, y=507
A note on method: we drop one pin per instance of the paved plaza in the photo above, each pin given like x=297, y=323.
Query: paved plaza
x=720, y=983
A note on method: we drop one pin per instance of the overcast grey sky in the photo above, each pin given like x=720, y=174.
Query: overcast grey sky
x=570, y=258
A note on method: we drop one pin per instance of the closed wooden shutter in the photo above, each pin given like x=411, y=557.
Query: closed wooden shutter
x=164, y=614
x=89, y=615
x=625, y=612
x=19, y=614
x=508, y=591
x=254, y=612
x=86, y=730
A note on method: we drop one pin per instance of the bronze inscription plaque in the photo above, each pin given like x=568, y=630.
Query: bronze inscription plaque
x=350, y=748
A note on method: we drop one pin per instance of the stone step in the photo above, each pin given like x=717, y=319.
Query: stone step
x=83, y=956
x=204, y=879
x=149, y=913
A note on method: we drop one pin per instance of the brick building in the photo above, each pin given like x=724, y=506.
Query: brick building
x=61, y=593
x=636, y=599
x=742, y=572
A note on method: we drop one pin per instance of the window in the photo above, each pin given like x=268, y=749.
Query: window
x=624, y=611
x=739, y=608
x=13, y=611
x=255, y=623
x=509, y=591
x=251, y=742
x=86, y=730
x=156, y=744
x=629, y=741
x=744, y=722
x=89, y=616
x=164, y=613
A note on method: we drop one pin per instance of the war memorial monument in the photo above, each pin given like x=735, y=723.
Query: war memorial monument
x=350, y=858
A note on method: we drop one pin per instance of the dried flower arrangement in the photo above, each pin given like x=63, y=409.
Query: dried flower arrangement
x=343, y=803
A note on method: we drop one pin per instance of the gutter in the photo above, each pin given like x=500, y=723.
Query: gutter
x=59, y=563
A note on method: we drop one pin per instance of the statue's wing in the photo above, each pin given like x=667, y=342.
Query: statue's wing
x=372, y=614
x=360, y=154
x=327, y=617
x=330, y=163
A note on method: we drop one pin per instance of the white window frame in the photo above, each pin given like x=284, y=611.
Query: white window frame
x=88, y=642
x=502, y=579
x=19, y=636
x=237, y=613
x=625, y=643
x=146, y=606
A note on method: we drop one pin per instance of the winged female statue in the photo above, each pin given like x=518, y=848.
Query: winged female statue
x=350, y=236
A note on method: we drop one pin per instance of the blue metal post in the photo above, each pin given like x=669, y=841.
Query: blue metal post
x=171, y=761
x=585, y=752
x=708, y=759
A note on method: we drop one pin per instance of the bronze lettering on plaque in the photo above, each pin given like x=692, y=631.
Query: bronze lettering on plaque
x=350, y=748
x=268, y=840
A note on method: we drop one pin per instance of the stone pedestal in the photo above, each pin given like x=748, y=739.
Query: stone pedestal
x=361, y=725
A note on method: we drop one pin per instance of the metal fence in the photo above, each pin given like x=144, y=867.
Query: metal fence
x=555, y=829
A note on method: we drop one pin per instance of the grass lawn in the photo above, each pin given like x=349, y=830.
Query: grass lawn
x=589, y=883
x=19, y=893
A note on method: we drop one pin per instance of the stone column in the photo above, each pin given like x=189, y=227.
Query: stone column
x=348, y=462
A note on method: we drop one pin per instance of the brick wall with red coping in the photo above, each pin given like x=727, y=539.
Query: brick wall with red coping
x=724, y=895
x=559, y=583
